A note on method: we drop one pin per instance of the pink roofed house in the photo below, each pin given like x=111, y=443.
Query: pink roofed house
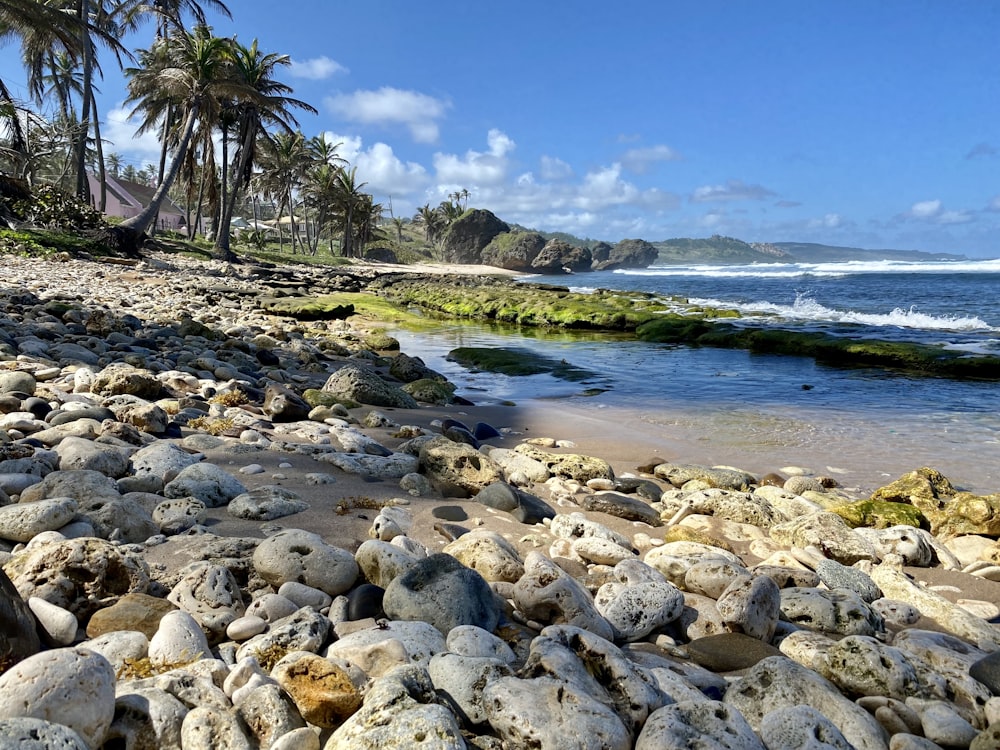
x=126, y=199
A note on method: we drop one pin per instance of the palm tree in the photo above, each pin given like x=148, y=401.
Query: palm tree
x=349, y=199
x=283, y=161
x=320, y=190
x=398, y=222
x=324, y=151
x=194, y=80
x=27, y=18
x=169, y=16
x=113, y=162
x=263, y=102
x=432, y=221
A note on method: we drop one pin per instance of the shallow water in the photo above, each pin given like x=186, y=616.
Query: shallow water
x=760, y=412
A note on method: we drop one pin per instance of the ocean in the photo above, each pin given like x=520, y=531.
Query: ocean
x=768, y=412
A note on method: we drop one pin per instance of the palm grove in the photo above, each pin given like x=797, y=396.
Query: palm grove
x=231, y=144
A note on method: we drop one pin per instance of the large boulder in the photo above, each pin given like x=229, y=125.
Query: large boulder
x=366, y=387
x=469, y=234
x=599, y=253
x=628, y=254
x=559, y=256
x=514, y=251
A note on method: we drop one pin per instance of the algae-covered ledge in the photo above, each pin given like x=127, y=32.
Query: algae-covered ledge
x=664, y=320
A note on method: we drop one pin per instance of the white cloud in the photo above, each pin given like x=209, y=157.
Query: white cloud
x=477, y=168
x=994, y=204
x=827, y=221
x=554, y=169
x=733, y=190
x=384, y=173
x=604, y=188
x=389, y=106
x=119, y=131
x=925, y=209
x=955, y=217
x=933, y=212
x=316, y=68
x=639, y=160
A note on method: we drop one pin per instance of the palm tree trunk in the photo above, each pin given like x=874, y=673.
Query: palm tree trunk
x=82, y=185
x=147, y=216
x=102, y=174
x=228, y=207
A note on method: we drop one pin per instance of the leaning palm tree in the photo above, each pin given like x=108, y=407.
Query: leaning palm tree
x=265, y=102
x=194, y=81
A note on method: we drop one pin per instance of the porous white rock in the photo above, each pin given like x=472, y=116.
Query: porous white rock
x=178, y=639
x=70, y=686
x=704, y=723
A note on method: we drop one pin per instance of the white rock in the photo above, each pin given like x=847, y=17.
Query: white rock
x=120, y=646
x=70, y=686
x=547, y=713
x=801, y=728
x=59, y=624
x=178, y=639
x=21, y=521
x=304, y=596
x=691, y=724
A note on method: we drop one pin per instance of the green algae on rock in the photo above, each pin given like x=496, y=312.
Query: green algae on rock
x=326, y=307
x=514, y=361
x=878, y=514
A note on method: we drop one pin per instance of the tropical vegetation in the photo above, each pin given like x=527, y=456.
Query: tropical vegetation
x=234, y=159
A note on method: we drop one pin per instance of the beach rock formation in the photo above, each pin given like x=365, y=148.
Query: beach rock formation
x=515, y=251
x=627, y=254
x=558, y=256
x=465, y=239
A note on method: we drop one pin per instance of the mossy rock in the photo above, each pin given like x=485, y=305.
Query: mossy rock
x=878, y=514
x=968, y=514
x=379, y=341
x=431, y=391
x=191, y=327
x=516, y=362
x=315, y=397
x=680, y=533
x=308, y=308
x=925, y=488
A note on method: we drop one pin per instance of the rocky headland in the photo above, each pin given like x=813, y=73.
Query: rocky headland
x=225, y=527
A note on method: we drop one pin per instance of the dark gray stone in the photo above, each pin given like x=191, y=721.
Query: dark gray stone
x=18, y=636
x=443, y=592
x=987, y=671
x=837, y=576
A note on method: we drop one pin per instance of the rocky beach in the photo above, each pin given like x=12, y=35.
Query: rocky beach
x=224, y=527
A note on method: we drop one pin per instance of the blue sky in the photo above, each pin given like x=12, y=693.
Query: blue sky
x=874, y=124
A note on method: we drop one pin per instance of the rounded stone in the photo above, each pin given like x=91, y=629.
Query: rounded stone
x=179, y=639
x=365, y=601
x=22, y=521
x=70, y=686
x=321, y=690
x=58, y=624
x=27, y=733
x=801, y=728
x=441, y=591
x=987, y=671
x=297, y=555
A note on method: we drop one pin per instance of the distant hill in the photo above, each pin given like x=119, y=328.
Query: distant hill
x=719, y=249
x=811, y=252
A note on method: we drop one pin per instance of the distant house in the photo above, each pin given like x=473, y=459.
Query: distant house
x=126, y=199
